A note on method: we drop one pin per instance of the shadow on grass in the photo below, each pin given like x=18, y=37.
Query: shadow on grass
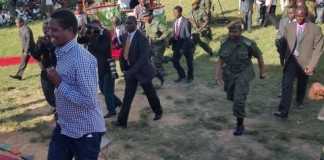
x=31, y=76
x=25, y=116
x=22, y=105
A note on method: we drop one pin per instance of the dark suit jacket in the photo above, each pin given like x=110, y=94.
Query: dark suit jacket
x=139, y=65
x=311, y=46
x=184, y=40
x=100, y=47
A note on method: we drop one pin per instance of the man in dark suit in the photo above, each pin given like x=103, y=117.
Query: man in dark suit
x=28, y=44
x=98, y=41
x=137, y=68
x=304, y=48
x=182, y=44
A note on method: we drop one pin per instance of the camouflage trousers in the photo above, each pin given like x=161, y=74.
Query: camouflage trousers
x=203, y=42
x=158, y=50
x=237, y=90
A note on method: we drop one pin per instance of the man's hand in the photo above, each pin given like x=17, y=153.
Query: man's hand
x=316, y=92
x=309, y=71
x=53, y=76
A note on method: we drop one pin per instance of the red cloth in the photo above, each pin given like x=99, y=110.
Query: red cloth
x=15, y=60
x=4, y=157
x=116, y=51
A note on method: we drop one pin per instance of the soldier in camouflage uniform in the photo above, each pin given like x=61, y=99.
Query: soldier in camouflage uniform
x=234, y=69
x=157, y=34
x=201, y=32
x=206, y=5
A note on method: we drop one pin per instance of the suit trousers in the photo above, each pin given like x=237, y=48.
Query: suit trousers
x=291, y=71
x=177, y=54
x=23, y=64
x=130, y=90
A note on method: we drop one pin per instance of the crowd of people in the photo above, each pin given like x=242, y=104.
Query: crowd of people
x=28, y=10
x=5, y=18
x=266, y=10
x=77, y=54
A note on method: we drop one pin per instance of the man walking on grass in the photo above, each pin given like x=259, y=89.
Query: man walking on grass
x=27, y=43
x=80, y=123
x=304, y=47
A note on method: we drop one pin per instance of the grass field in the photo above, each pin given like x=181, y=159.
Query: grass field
x=198, y=120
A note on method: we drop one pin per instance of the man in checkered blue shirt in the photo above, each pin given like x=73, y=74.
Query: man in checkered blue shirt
x=80, y=124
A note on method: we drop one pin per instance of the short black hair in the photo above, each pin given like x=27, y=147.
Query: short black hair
x=178, y=8
x=132, y=19
x=20, y=20
x=66, y=19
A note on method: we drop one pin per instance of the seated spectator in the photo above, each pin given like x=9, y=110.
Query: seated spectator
x=124, y=4
x=2, y=19
x=140, y=9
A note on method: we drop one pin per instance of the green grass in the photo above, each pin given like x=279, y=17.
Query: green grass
x=10, y=42
x=200, y=117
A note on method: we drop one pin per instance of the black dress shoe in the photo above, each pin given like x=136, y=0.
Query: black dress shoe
x=189, y=80
x=157, y=117
x=280, y=115
x=299, y=106
x=239, y=130
x=16, y=77
x=109, y=115
x=117, y=124
x=179, y=80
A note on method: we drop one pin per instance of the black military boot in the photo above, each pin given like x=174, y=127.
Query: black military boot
x=239, y=130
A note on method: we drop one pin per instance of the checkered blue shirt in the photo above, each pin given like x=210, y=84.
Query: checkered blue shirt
x=77, y=107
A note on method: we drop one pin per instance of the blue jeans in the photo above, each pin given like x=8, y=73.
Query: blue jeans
x=107, y=88
x=62, y=147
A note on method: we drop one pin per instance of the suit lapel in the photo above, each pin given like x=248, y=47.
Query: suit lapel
x=132, y=45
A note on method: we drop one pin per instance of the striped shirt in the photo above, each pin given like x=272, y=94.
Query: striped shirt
x=77, y=107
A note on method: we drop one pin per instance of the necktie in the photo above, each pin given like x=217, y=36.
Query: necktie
x=126, y=47
x=300, y=34
x=177, y=29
